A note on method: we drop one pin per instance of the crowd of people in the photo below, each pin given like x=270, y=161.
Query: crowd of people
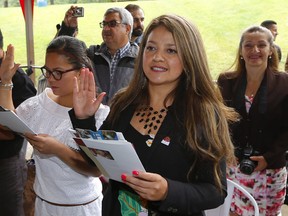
x=155, y=87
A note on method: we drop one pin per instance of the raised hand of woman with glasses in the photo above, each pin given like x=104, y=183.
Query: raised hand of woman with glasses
x=85, y=100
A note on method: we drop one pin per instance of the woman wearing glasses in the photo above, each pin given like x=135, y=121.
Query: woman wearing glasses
x=65, y=183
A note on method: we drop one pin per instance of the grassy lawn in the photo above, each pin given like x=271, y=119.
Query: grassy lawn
x=220, y=22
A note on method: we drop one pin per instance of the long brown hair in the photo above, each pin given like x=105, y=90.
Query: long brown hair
x=196, y=95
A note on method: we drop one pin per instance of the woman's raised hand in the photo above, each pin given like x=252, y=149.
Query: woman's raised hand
x=85, y=101
x=8, y=68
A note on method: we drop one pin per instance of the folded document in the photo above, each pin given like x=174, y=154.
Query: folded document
x=109, y=150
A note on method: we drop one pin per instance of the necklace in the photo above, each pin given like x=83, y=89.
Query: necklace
x=150, y=118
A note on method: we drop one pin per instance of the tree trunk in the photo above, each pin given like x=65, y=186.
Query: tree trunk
x=52, y=2
x=6, y=3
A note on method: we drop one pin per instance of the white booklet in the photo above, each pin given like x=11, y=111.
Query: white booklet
x=111, y=153
x=12, y=122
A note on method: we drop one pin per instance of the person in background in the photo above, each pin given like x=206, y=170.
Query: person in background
x=113, y=60
x=69, y=25
x=286, y=65
x=173, y=114
x=12, y=160
x=272, y=26
x=138, y=22
x=66, y=182
x=259, y=93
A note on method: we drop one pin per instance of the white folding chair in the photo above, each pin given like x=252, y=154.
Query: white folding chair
x=224, y=209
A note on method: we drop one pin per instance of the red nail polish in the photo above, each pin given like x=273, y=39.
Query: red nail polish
x=123, y=177
x=135, y=172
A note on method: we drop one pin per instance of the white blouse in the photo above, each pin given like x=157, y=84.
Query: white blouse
x=55, y=181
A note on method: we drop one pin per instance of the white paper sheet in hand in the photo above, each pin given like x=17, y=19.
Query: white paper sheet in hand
x=10, y=120
x=113, y=157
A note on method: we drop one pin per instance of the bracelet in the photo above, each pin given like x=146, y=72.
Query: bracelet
x=6, y=85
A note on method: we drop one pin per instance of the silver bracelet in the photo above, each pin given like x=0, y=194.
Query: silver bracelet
x=6, y=85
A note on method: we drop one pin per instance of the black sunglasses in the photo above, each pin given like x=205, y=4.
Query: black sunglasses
x=111, y=24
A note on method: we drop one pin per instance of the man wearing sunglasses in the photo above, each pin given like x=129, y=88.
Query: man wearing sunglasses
x=113, y=60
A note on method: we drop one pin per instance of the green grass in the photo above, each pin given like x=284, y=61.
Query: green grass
x=220, y=22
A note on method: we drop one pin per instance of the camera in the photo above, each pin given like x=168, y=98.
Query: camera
x=78, y=12
x=247, y=165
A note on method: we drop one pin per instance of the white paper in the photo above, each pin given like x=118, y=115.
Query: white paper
x=10, y=120
x=112, y=157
